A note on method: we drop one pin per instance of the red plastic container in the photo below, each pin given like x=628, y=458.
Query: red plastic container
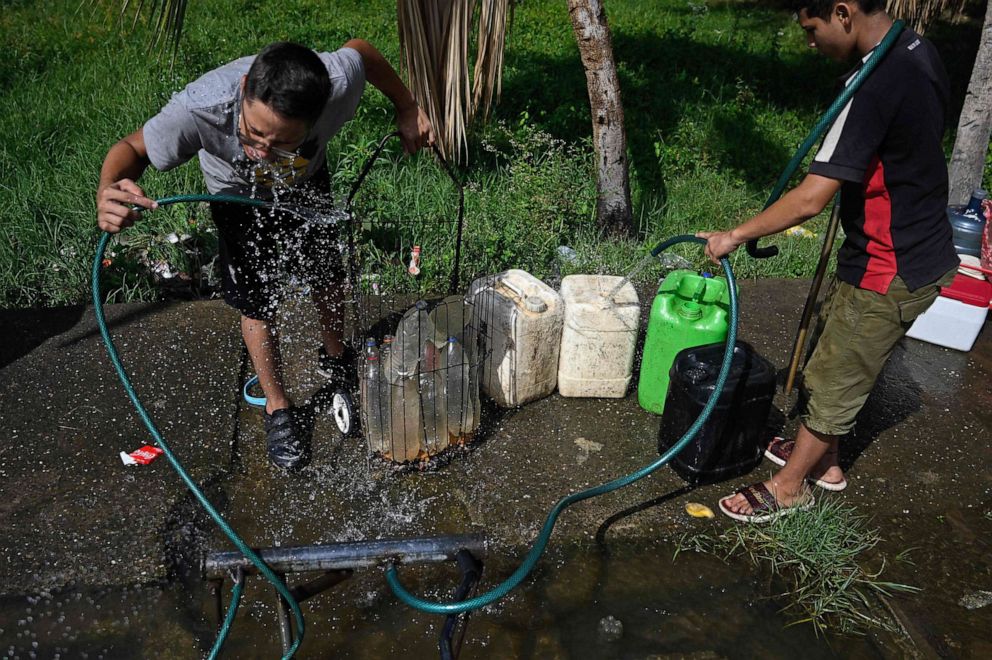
x=956, y=316
x=969, y=290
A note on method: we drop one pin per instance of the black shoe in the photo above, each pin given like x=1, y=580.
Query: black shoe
x=340, y=369
x=287, y=438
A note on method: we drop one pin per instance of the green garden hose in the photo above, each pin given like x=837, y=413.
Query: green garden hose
x=502, y=589
x=279, y=584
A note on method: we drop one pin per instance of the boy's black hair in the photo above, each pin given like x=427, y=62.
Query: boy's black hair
x=821, y=8
x=291, y=79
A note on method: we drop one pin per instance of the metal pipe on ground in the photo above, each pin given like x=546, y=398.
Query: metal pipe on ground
x=349, y=555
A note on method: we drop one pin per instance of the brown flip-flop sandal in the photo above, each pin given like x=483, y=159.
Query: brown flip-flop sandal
x=764, y=506
x=780, y=450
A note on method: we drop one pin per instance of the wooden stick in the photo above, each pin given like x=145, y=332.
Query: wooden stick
x=814, y=291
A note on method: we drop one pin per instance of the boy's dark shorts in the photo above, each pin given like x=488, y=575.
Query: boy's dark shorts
x=261, y=249
x=855, y=335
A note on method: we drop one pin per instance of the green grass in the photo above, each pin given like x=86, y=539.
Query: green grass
x=819, y=558
x=716, y=97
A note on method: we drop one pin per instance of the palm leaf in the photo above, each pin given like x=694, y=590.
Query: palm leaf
x=921, y=13
x=488, y=76
x=434, y=39
x=165, y=19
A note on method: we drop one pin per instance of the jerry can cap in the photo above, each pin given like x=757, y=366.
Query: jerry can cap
x=690, y=310
x=535, y=304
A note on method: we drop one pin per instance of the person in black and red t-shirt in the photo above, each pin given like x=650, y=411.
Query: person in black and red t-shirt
x=884, y=154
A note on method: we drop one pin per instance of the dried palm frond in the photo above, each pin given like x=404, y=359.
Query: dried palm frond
x=488, y=77
x=165, y=19
x=918, y=14
x=434, y=38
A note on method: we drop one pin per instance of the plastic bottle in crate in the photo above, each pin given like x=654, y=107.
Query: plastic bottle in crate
x=461, y=400
x=411, y=332
x=472, y=356
x=373, y=405
x=407, y=426
x=432, y=392
x=386, y=390
x=450, y=318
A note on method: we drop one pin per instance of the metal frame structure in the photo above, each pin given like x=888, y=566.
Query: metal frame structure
x=338, y=561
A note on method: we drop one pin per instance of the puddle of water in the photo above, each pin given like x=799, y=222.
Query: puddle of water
x=696, y=607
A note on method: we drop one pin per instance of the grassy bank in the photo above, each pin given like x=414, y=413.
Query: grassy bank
x=716, y=97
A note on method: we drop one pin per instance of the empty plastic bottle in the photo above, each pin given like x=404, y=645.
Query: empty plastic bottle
x=474, y=363
x=448, y=319
x=411, y=332
x=407, y=427
x=386, y=390
x=461, y=413
x=432, y=395
x=371, y=393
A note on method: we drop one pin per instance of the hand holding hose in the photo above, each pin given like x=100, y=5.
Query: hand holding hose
x=823, y=124
x=115, y=205
x=719, y=244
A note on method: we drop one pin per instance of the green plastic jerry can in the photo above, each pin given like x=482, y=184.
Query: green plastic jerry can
x=689, y=310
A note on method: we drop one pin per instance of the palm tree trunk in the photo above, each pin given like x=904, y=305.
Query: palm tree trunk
x=972, y=140
x=613, y=208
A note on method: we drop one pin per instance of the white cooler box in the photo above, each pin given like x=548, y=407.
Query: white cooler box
x=956, y=316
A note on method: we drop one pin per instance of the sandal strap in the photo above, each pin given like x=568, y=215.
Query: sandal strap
x=782, y=448
x=760, y=498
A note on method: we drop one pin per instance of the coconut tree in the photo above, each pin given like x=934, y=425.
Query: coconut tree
x=434, y=40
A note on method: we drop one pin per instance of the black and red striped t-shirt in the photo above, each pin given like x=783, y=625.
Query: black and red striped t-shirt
x=886, y=148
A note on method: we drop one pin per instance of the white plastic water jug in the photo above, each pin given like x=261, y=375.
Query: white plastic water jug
x=520, y=319
x=599, y=337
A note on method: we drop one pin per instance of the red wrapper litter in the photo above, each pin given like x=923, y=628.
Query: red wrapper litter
x=142, y=456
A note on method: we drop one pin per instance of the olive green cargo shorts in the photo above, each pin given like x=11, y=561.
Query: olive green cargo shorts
x=855, y=335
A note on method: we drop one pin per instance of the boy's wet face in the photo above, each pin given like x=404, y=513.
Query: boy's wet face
x=266, y=135
x=830, y=37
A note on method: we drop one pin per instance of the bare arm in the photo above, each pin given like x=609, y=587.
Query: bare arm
x=415, y=129
x=798, y=205
x=117, y=191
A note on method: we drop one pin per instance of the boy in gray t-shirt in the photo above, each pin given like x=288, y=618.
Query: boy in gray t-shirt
x=260, y=127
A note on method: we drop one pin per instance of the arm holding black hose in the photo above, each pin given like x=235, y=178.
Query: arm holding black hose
x=798, y=205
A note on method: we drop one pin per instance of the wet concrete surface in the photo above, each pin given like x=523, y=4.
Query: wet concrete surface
x=82, y=523
x=73, y=514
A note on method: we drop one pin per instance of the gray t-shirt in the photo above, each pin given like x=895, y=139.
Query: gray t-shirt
x=203, y=119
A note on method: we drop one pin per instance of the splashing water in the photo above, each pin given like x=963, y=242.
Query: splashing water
x=638, y=267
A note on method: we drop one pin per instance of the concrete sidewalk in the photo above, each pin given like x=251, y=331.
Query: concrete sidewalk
x=76, y=517
x=71, y=512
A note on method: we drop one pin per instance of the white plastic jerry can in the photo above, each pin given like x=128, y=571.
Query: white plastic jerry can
x=599, y=336
x=519, y=318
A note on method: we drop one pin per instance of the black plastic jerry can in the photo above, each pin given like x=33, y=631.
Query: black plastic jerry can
x=732, y=441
